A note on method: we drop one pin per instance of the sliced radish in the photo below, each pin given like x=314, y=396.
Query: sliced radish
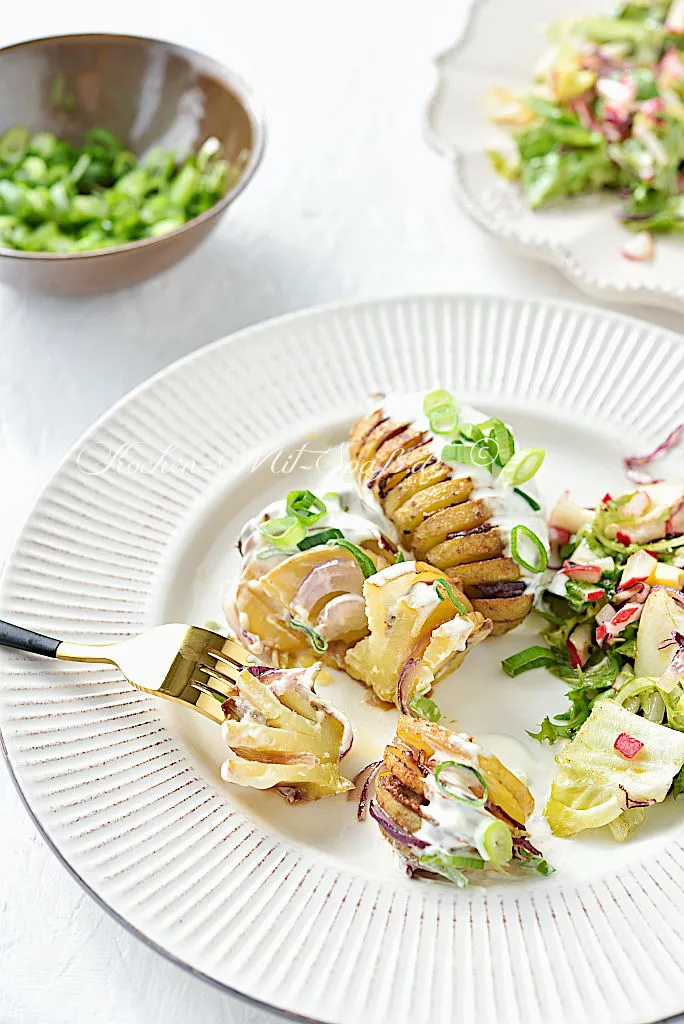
x=628, y=746
x=579, y=644
x=628, y=614
x=638, y=568
x=587, y=573
x=597, y=594
x=675, y=522
x=639, y=247
x=637, y=506
x=638, y=594
x=583, y=555
x=653, y=108
x=567, y=515
x=623, y=538
x=558, y=584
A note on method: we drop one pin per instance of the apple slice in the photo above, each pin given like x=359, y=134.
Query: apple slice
x=662, y=615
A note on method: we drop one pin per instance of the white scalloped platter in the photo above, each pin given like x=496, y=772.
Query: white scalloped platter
x=301, y=908
x=582, y=237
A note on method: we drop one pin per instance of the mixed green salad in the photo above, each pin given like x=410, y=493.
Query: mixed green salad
x=614, y=608
x=605, y=111
x=55, y=197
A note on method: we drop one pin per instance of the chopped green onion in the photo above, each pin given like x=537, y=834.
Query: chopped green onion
x=400, y=557
x=423, y=707
x=305, y=506
x=313, y=540
x=542, y=866
x=494, y=841
x=522, y=466
x=474, y=801
x=530, y=658
x=436, y=400
x=266, y=553
x=442, y=863
x=284, y=532
x=366, y=563
x=526, y=497
x=524, y=531
x=445, y=591
x=502, y=438
x=318, y=642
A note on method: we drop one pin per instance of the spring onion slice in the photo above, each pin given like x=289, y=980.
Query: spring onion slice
x=502, y=438
x=534, y=505
x=436, y=400
x=440, y=863
x=284, y=532
x=542, y=866
x=366, y=563
x=524, y=531
x=400, y=557
x=530, y=658
x=474, y=801
x=318, y=642
x=423, y=707
x=313, y=540
x=522, y=466
x=445, y=591
x=494, y=841
x=305, y=506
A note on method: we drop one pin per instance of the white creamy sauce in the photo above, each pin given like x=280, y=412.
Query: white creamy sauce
x=457, y=630
x=455, y=824
x=355, y=528
x=508, y=508
x=513, y=754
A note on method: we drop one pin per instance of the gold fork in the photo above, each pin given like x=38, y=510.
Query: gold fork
x=187, y=664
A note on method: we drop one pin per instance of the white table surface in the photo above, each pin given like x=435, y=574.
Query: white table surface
x=349, y=203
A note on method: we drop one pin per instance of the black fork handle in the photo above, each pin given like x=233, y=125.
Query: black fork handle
x=26, y=640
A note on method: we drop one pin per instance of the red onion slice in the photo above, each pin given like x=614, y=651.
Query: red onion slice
x=363, y=783
x=406, y=681
x=634, y=464
x=630, y=801
x=394, y=831
x=336, y=576
x=522, y=843
x=509, y=588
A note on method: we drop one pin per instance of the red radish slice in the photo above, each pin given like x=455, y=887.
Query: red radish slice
x=637, y=506
x=675, y=19
x=623, y=538
x=639, y=247
x=675, y=523
x=567, y=515
x=628, y=746
x=638, y=594
x=607, y=630
x=597, y=594
x=587, y=573
x=606, y=498
x=579, y=644
x=638, y=568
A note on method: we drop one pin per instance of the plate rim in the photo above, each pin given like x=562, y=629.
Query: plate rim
x=541, y=250
x=232, y=338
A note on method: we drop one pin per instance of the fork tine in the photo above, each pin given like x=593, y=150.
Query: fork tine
x=227, y=659
x=230, y=676
x=209, y=690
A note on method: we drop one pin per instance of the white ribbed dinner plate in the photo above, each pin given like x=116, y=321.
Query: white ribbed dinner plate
x=300, y=907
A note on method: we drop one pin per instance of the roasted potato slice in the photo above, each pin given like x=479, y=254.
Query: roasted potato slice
x=428, y=501
x=412, y=798
x=282, y=735
x=416, y=632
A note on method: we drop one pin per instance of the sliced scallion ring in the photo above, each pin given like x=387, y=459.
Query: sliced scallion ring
x=522, y=466
x=314, y=540
x=471, y=798
x=494, y=841
x=306, y=506
x=436, y=399
x=445, y=591
x=441, y=863
x=517, y=533
x=400, y=557
x=423, y=707
x=502, y=438
x=366, y=563
x=318, y=642
x=284, y=532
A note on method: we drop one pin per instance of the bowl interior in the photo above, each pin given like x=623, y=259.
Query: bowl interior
x=145, y=91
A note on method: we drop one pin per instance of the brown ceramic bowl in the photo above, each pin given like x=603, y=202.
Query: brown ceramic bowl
x=147, y=92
